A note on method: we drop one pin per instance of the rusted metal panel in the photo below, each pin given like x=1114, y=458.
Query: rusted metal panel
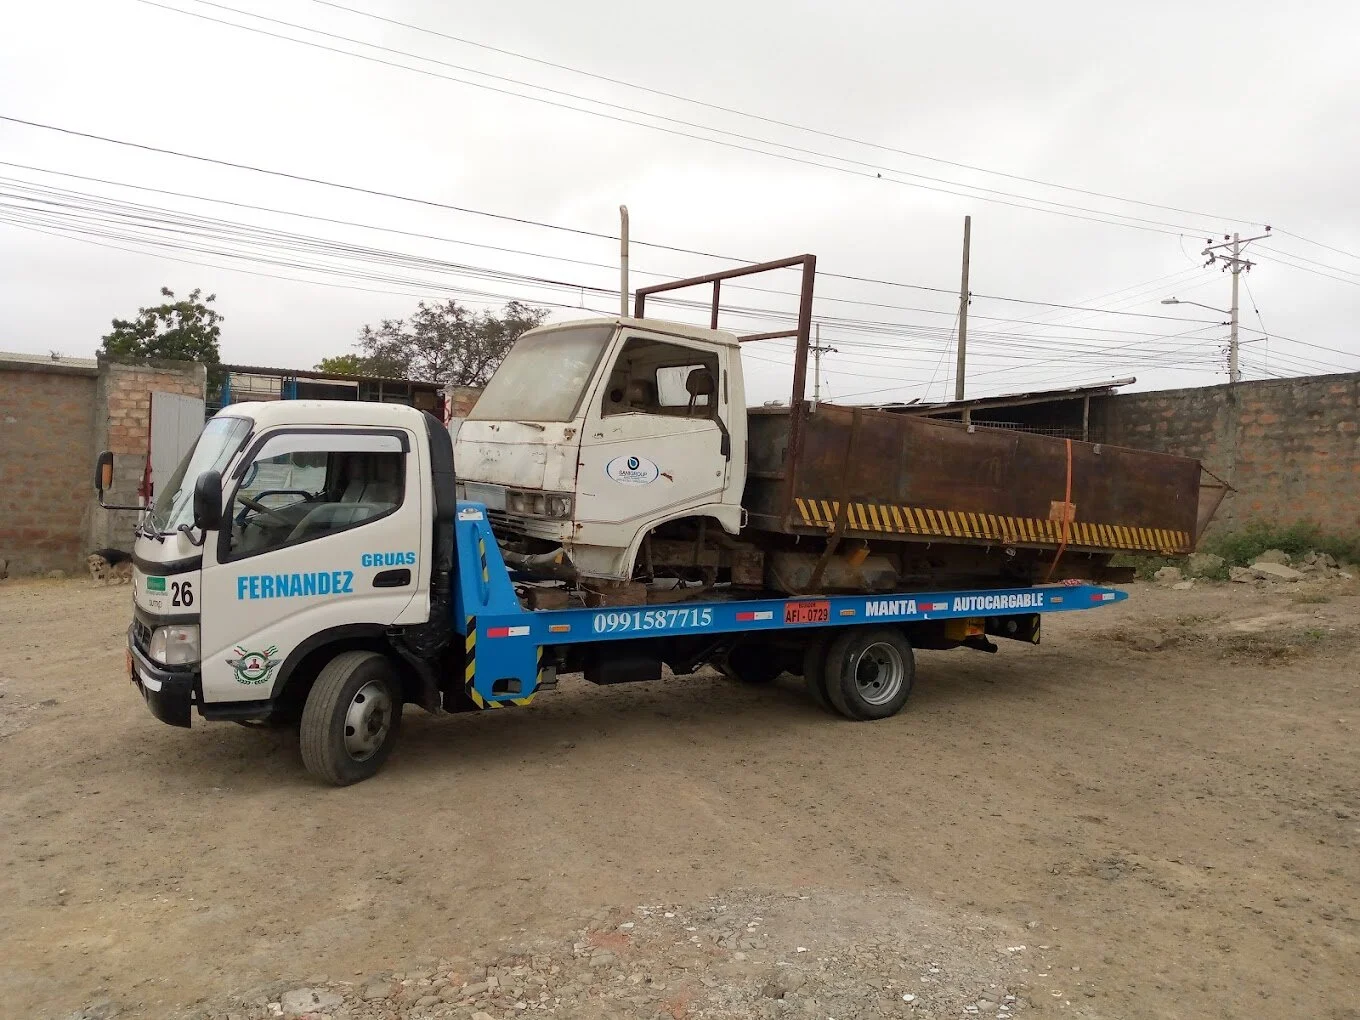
x=921, y=479
x=914, y=478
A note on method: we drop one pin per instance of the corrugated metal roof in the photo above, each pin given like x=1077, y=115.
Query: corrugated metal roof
x=47, y=359
x=1009, y=399
x=307, y=373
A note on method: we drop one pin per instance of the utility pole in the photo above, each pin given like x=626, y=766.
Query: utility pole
x=817, y=350
x=1236, y=264
x=963, y=310
x=1234, y=368
x=623, y=261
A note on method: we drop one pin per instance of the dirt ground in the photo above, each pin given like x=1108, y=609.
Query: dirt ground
x=1161, y=803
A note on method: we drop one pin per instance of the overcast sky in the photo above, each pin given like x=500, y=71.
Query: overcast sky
x=1246, y=110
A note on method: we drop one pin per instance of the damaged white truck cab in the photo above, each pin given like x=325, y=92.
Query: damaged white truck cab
x=596, y=434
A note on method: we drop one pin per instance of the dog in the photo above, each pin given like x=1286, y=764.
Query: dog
x=110, y=565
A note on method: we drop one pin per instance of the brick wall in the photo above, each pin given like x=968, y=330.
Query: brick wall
x=46, y=438
x=54, y=419
x=1290, y=447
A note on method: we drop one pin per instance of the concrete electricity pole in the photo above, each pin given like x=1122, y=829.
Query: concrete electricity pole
x=963, y=310
x=817, y=350
x=1236, y=264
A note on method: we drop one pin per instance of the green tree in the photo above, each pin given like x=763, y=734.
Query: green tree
x=184, y=330
x=343, y=364
x=445, y=343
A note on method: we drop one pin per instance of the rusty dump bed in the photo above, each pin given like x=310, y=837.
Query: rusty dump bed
x=894, y=476
x=843, y=471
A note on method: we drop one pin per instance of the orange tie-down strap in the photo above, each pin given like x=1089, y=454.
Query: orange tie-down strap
x=1066, y=512
x=870, y=518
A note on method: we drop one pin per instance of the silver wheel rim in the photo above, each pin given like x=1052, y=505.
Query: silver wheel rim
x=879, y=673
x=367, y=720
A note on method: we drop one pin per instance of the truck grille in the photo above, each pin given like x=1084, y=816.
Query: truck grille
x=141, y=635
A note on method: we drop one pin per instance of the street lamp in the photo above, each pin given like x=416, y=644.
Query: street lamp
x=1178, y=301
x=1234, y=373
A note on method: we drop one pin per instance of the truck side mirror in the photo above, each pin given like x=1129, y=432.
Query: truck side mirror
x=103, y=473
x=208, y=501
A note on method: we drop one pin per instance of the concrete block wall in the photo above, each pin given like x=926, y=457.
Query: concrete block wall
x=46, y=471
x=1290, y=447
x=54, y=418
x=123, y=428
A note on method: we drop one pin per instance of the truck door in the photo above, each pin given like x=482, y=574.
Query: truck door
x=321, y=529
x=656, y=440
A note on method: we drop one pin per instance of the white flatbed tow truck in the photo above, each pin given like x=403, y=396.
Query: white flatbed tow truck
x=309, y=564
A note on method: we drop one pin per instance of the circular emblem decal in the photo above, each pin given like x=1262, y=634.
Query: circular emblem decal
x=632, y=470
x=253, y=667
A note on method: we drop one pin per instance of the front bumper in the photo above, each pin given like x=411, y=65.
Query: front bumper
x=168, y=692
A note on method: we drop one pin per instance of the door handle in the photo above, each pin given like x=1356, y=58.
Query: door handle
x=392, y=578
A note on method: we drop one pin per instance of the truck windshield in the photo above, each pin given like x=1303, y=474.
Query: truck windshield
x=217, y=444
x=544, y=376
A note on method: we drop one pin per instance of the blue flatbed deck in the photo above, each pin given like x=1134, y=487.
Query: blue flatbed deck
x=504, y=641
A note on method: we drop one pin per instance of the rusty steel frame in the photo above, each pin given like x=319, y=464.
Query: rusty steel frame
x=802, y=332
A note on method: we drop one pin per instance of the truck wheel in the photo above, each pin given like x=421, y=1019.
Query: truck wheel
x=351, y=719
x=869, y=672
x=814, y=672
x=752, y=664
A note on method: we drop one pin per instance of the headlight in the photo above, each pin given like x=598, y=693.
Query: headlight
x=176, y=645
x=529, y=503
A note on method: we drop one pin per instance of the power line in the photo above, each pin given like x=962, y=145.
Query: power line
x=76, y=203
x=1276, y=257
x=501, y=297
x=873, y=172
x=1036, y=364
x=1310, y=261
x=768, y=120
x=524, y=221
x=163, y=220
x=521, y=251
x=1300, y=237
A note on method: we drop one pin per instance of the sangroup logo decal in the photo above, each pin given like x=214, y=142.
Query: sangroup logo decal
x=632, y=470
x=253, y=667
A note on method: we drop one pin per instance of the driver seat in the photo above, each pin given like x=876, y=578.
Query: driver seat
x=700, y=383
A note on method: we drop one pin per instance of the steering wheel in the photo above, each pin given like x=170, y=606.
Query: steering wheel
x=257, y=506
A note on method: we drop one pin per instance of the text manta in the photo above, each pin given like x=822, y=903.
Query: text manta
x=959, y=604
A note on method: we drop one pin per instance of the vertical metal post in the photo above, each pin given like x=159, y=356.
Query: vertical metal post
x=623, y=261
x=817, y=368
x=1086, y=418
x=800, y=354
x=1234, y=370
x=713, y=315
x=963, y=310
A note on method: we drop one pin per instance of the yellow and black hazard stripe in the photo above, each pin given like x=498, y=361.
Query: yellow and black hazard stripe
x=908, y=520
x=470, y=671
x=481, y=555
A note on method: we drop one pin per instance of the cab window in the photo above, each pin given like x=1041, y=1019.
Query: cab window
x=654, y=377
x=301, y=487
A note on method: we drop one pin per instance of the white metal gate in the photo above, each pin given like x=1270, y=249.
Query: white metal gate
x=175, y=423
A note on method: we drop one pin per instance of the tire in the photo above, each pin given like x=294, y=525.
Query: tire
x=351, y=719
x=814, y=672
x=753, y=664
x=869, y=672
